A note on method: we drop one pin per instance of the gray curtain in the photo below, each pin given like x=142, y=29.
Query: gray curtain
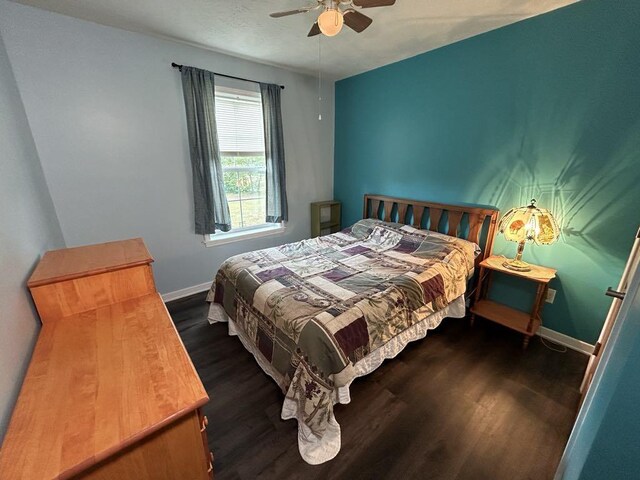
x=209, y=198
x=274, y=152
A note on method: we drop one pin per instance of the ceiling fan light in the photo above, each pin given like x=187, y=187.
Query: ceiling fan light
x=330, y=22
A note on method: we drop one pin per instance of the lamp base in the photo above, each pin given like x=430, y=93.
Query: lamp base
x=517, y=265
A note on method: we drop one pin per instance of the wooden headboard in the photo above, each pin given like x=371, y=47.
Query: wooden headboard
x=476, y=224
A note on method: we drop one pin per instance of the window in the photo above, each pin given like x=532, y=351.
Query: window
x=240, y=127
x=241, y=143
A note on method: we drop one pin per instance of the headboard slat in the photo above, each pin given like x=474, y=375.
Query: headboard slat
x=418, y=210
x=375, y=207
x=475, y=227
x=402, y=212
x=434, y=218
x=477, y=216
x=454, y=223
x=388, y=206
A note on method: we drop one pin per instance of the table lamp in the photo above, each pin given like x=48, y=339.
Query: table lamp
x=531, y=224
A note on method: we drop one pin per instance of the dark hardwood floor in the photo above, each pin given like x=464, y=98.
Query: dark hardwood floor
x=464, y=403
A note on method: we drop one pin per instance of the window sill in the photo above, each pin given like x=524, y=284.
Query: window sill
x=230, y=237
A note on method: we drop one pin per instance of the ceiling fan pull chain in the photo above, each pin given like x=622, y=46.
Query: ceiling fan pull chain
x=319, y=78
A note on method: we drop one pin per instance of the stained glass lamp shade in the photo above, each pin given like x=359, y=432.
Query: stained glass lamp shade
x=527, y=224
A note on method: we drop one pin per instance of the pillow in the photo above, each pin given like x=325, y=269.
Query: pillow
x=362, y=229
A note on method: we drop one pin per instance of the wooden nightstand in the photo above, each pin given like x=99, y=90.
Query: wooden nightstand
x=526, y=323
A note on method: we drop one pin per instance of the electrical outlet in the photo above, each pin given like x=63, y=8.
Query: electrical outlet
x=551, y=295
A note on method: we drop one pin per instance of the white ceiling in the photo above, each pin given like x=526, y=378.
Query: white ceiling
x=243, y=27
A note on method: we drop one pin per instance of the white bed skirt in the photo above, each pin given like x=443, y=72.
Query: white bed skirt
x=316, y=450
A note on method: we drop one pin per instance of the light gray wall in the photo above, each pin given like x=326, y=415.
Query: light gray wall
x=107, y=116
x=28, y=227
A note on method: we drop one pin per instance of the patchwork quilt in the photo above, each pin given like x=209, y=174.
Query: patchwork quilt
x=310, y=310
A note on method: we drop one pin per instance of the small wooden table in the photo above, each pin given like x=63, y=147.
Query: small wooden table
x=524, y=322
x=325, y=224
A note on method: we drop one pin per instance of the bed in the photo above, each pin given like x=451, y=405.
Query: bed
x=318, y=313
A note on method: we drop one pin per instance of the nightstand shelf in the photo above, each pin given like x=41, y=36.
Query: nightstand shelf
x=504, y=315
x=325, y=225
x=526, y=323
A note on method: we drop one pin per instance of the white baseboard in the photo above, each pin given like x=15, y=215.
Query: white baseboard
x=185, y=292
x=566, y=340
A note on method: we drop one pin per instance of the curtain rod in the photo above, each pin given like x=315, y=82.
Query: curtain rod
x=179, y=67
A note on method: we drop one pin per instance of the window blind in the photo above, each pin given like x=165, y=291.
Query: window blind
x=240, y=124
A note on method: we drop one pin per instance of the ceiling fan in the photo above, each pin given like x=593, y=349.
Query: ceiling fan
x=336, y=13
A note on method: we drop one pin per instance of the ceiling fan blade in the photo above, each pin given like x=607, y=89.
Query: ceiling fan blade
x=290, y=12
x=315, y=30
x=356, y=20
x=373, y=3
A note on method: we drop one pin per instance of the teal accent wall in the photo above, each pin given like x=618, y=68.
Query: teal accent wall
x=547, y=108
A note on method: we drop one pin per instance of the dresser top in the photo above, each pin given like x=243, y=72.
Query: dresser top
x=70, y=263
x=98, y=382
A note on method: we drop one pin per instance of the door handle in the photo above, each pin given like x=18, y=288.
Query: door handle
x=614, y=293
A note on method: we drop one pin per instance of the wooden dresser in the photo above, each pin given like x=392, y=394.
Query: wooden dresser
x=110, y=392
